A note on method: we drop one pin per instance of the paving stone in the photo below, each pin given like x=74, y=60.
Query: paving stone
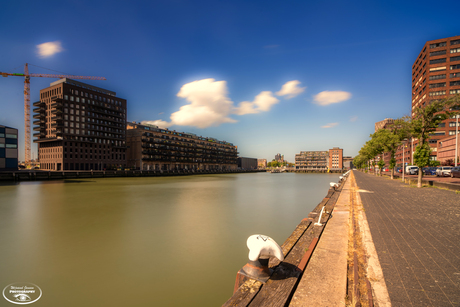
x=416, y=233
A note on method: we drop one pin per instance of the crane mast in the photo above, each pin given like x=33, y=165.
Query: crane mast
x=26, y=75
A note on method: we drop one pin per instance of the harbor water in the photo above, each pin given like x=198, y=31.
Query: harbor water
x=150, y=241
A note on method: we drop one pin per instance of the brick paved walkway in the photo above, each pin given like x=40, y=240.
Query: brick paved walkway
x=416, y=233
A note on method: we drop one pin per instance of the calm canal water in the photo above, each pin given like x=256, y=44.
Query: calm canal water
x=174, y=241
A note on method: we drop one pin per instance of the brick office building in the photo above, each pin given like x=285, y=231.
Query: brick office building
x=336, y=158
x=436, y=75
x=154, y=148
x=80, y=127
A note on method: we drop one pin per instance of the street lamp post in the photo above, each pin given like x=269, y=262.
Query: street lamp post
x=404, y=162
x=456, y=140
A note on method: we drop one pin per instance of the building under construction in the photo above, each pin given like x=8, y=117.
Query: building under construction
x=79, y=127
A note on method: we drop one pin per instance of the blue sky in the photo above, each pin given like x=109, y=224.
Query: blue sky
x=217, y=68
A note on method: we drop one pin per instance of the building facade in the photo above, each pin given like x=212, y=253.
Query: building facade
x=247, y=163
x=436, y=75
x=446, y=150
x=154, y=148
x=80, y=127
x=383, y=124
x=279, y=158
x=312, y=160
x=8, y=148
x=262, y=163
x=348, y=162
x=336, y=158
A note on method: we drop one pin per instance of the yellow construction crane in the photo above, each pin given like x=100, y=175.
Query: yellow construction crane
x=26, y=75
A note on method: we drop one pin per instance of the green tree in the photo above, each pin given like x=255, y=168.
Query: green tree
x=424, y=122
x=392, y=137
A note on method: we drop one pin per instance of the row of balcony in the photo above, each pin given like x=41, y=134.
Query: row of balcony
x=187, y=160
x=162, y=148
x=183, y=143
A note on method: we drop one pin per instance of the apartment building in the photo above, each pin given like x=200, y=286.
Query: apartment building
x=154, y=148
x=80, y=127
x=436, y=75
x=312, y=160
x=8, y=148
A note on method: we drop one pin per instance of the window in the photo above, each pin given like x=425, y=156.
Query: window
x=440, y=52
x=442, y=44
x=452, y=132
x=11, y=145
x=453, y=92
x=455, y=75
x=434, y=85
x=77, y=99
x=437, y=93
x=441, y=125
x=439, y=133
x=437, y=77
x=438, y=68
x=455, y=58
x=455, y=42
x=453, y=83
x=456, y=50
x=452, y=67
x=71, y=98
x=436, y=61
x=66, y=97
x=452, y=124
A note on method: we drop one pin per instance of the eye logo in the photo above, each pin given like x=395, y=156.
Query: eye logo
x=22, y=293
x=22, y=297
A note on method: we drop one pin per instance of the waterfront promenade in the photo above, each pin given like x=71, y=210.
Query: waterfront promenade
x=416, y=233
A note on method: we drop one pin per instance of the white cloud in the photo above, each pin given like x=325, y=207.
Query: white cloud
x=329, y=97
x=291, y=89
x=330, y=125
x=354, y=118
x=48, y=49
x=262, y=103
x=209, y=105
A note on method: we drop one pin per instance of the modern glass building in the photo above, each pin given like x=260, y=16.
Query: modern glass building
x=8, y=148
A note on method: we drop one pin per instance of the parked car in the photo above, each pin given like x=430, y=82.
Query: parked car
x=455, y=172
x=412, y=170
x=429, y=170
x=398, y=169
x=443, y=171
